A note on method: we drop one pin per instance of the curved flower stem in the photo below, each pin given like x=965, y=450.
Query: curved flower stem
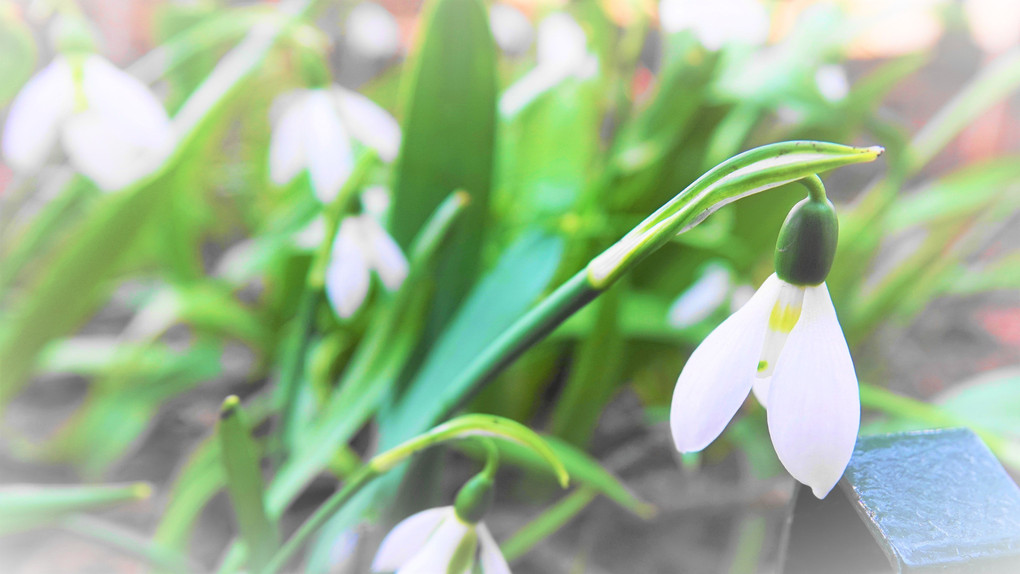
x=816, y=190
x=753, y=171
x=458, y=428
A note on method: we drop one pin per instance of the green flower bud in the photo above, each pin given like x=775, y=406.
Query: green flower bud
x=807, y=242
x=474, y=499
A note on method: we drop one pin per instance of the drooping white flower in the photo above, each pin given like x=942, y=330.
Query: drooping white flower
x=786, y=344
x=361, y=245
x=561, y=53
x=717, y=22
x=437, y=540
x=314, y=133
x=111, y=126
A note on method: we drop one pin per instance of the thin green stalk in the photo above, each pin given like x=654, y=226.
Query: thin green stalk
x=293, y=361
x=551, y=520
x=128, y=543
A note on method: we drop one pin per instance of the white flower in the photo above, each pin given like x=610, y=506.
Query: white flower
x=832, y=82
x=787, y=345
x=110, y=125
x=436, y=540
x=372, y=31
x=510, y=28
x=314, y=132
x=561, y=52
x=717, y=22
x=361, y=245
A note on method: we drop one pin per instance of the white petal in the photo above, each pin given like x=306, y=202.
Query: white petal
x=384, y=254
x=511, y=29
x=435, y=556
x=286, y=144
x=372, y=31
x=407, y=538
x=100, y=151
x=32, y=123
x=718, y=376
x=347, y=274
x=814, y=407
x=493, y=561
x=562, y=44
x=127, y=105
x=327, y=146
x=369, y=123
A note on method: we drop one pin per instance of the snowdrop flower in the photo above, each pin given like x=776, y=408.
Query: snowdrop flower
x=785, y=344
x=439, y=540
x=561, y=53
x=361, y=245
x=111, y=126
x=510, y=28
x=717, y=22
x=832, y=82
x=372, y=31
x=313, y=133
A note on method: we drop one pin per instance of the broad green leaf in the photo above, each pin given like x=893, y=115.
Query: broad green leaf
x=448, y=139
x=521, y=275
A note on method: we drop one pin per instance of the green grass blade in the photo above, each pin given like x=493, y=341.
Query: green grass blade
x=240, y=455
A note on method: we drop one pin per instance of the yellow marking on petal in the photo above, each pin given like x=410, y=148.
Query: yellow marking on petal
x=77, y=65
x=783, y=317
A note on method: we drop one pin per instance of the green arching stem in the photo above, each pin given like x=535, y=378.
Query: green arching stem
x=455, y=429
x=292, y=364
x=776, y=164
x=491, y=458
x=815, y=187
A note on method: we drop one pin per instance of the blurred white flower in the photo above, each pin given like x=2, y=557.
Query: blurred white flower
x=510, y=28
x=702, y=298
x=786, y=344
x=111, y=126
x=372, y=31
x=890, y=28
x=717, y=22
x=994, y=24
x=314, y=132
x=561, y=53
x=361, y=245
x=436, y=540
x=832, y=82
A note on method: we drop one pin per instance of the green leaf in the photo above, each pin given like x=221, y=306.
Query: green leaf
x=19, y=50
x=23, y=507
x=448, y=139
x=522, y=273
x=240, y=455
x=551, y=520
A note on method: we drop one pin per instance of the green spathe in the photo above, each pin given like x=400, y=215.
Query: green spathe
x=807, y=242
